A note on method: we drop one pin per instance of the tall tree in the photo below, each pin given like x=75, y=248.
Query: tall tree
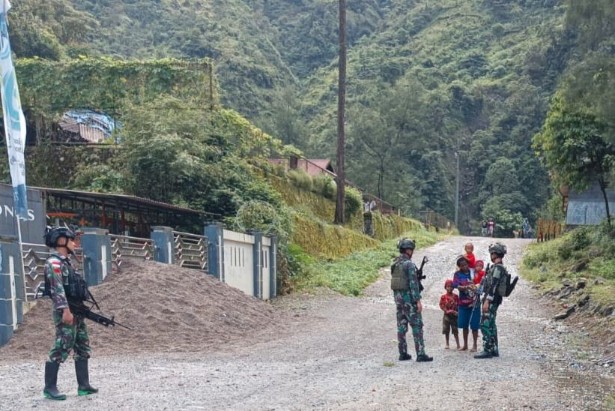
x=573, y=146
x=388, y=153
x=341, y=106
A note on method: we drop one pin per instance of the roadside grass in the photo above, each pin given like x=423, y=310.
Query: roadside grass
x=350, y=275
x=610, y=402
x=584, y=253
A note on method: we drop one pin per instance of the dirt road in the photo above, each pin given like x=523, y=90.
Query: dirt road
x=340, y=353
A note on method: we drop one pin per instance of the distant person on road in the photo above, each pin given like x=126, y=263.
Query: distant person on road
x=526, y=228
x=63, y=284
x=483, y=228
x=405, y=286
x=491, y=227
x=462, y=280
x=449, y=303
x=491, y=301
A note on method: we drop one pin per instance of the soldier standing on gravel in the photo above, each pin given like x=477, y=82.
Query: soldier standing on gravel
x=491, y=302
x=62, y=284
x=405, y=286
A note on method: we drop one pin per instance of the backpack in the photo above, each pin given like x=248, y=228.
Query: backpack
x=399, y=277
x=507, y=283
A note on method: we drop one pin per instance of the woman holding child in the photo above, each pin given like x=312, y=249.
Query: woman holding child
x=469, y=312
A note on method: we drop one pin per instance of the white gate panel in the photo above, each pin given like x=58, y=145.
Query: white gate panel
x=239, y=261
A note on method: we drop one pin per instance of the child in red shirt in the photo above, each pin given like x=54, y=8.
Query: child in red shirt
x=479, y=272
x=449, y=303
x=469, y=255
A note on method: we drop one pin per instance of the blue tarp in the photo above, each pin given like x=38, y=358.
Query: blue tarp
x=93, y=119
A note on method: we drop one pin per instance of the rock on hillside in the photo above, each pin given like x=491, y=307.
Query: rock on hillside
x=169, y=308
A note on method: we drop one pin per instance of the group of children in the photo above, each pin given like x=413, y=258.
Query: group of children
x=463, y=310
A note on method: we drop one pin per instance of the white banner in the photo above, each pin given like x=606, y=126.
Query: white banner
x=14, y=121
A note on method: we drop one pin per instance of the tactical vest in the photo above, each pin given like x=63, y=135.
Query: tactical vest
x=75, y=287
x=399, y=277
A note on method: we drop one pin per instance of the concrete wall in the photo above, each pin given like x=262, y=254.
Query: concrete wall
x=239, y=261
x=12, y=292
x=244, y=261
x=32, y=228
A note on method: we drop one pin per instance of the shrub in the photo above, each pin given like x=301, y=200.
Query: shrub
x=263, y=217
x=577, y=240
x=297, y=259
x=353, y=201
x=323, y=184
x=300, y=179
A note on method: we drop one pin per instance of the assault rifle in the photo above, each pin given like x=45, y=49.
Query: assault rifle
x=420, y=275
x=79, y=308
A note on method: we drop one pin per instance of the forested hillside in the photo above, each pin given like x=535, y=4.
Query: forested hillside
x=447, y=81
x=429, y=83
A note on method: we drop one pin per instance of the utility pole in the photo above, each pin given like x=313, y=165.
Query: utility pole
x=457, y=192
x=341, y=103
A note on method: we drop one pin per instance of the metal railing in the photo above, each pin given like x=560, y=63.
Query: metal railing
x=34, y=257
x=190, y=250
x=123, y=246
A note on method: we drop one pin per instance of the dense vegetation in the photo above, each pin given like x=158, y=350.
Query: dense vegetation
x=429, y=83
x=515, y=94
x=425, y=81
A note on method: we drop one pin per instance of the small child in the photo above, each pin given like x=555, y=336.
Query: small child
x=469, y=255
x=479, y=272
x=449, y=303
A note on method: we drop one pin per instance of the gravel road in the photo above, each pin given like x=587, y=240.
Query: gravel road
x=340, y=353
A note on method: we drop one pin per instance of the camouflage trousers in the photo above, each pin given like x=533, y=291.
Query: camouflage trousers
x=489, y=329
x=69, y=337
x=408, y=314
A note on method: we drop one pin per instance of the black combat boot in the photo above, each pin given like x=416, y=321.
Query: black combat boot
x=404, y=356
x=423, y=358
x=483, y=354
x=51, y=382
x=83, y=378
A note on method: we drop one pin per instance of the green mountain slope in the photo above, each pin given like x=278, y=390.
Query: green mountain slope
x=229, y=32
x=428, y=83
x=478, y=78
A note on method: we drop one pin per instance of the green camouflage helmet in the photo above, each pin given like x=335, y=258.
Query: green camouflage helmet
x=498, y=248
x=405, y=243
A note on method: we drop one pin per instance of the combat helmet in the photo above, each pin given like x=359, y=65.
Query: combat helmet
x=497, y=248
x=52, y=234
x=405, y=244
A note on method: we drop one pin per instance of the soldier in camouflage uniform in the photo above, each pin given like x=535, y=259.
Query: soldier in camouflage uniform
x=491, y=302
x=71, y=330
x=408, y=302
